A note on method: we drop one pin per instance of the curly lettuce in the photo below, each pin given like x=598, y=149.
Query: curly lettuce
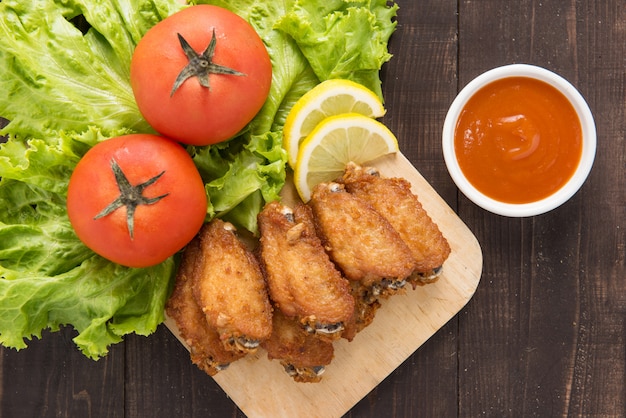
x=64, y=86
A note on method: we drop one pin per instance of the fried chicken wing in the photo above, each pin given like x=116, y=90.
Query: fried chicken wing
x=303, y=355
x=394, y=200
x=303, y=282
x=365, y=306
x=360, y=240
x=230, y=288
x=206, y=349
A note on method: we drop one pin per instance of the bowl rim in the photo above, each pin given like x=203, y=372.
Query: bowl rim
x=588, y=138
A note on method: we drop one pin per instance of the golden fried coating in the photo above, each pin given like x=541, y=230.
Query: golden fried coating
x=230, y=288
x=365, y=306
x=205, y=346
x=394, y=200
x=303, y=282
x=303, y=355
x=359, y=240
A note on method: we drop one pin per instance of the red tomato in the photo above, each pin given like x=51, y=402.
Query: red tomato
x=196, y=114
x=149, y=173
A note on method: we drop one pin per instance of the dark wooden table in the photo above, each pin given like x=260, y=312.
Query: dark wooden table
x=544, y=334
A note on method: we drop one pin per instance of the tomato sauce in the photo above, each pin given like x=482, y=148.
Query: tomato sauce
x=518, y=140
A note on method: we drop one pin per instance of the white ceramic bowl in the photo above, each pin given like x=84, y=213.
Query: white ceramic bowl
x=561, y=195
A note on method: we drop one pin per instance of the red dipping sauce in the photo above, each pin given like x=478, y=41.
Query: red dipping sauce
x=518, y=140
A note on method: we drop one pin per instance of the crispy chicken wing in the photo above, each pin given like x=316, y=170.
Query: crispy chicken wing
x=303, y=282
x=394, y=200
x=359, y=240
x=302, y=354
x=205, y=346
x=365, y=306
x=230, y=288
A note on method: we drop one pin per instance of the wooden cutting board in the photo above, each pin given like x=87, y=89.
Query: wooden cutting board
x=261, y=388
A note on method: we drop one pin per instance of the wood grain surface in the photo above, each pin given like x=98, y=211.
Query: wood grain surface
x=544, y=334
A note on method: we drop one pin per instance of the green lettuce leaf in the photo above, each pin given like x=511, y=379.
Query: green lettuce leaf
x=56, y=78
x=343, y=39
x=246, y=173
x=48, y=278
x=64, y=86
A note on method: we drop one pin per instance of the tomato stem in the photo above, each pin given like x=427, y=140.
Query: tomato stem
x=130, y=196
x=200, y=65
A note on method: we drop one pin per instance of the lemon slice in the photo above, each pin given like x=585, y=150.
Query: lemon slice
x=335, y=142
x=331, y=97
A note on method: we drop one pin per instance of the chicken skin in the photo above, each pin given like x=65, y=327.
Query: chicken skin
x=206, y=349
x=366, y=304
x=303, y=355
x=359, y=240
x=230, y=288
x=394, y=200
x=303, y=283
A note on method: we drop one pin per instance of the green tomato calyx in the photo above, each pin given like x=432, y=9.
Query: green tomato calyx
x=200, y=65
x=130, y=196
